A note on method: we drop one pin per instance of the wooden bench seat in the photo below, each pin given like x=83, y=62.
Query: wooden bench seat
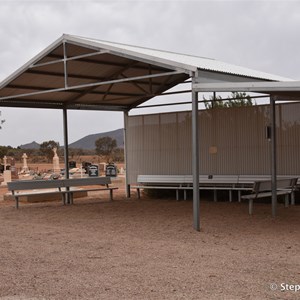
x=24, y=188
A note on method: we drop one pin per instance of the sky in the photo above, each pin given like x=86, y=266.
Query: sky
x=261, y=35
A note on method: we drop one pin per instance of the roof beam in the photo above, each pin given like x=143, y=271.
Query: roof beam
x=25, y=87
x=61, y=74
x=260, y=87
x=77, y=76
x=114, y=64
x=67, y=59
x=177, y=80
x=136, y=85
x=112, y=76
x=31, y=103
x=71, y=88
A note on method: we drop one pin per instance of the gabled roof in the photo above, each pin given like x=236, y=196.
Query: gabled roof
x=82, y=73
x=185, y=61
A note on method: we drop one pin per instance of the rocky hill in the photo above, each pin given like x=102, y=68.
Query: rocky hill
x=33, y=145
x=87, y=142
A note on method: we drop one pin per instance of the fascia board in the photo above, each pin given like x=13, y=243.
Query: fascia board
x=267, y=87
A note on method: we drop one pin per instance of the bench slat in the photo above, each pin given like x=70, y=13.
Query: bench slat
x=34, y=184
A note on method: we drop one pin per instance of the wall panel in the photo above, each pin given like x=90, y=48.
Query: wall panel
x=232, y=141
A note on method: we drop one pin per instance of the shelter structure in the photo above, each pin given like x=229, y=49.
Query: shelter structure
x=77, y=73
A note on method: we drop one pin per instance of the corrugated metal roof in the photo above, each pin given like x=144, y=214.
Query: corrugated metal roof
x=82, y=73
x=189, y=62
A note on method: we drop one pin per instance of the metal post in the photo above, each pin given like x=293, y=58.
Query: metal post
x=66, y=148
x=127, y=186
x=195, y=159
x=214, y=100
x=273, y=155
x=65, y=64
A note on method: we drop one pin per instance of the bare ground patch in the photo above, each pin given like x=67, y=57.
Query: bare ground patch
x=147, y=249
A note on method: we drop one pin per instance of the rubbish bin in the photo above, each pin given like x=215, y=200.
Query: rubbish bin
x=111, y=170
x=93, y=171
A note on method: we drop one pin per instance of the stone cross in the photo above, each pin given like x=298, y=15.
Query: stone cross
x=25, y=167
x=56, y=167
x=55, y=152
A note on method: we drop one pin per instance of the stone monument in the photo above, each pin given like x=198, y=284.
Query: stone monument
x=56, y=167
x=25, y=168
x=14, y=173
x=6, y=173
x=5, y=162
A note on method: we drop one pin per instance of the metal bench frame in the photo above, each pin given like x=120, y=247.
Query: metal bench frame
x=263, y=189
x=215, y=183
x=60, y=186
x=185, y=182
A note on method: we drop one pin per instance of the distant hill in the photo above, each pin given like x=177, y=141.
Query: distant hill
x=33, y=145
x=88, y=142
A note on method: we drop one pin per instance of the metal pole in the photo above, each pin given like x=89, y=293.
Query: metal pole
x=127, y=186
x=65, y=64
x=195, y=160
x=273, y=155
x=214, y=100
x=66, y=148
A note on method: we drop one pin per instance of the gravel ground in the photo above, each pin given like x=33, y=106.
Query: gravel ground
x=147, y=249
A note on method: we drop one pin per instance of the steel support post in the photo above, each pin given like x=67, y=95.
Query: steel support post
x=273, y=155
x=195, y=160
x=65, y=65
x=127, y=186
x=66, y=149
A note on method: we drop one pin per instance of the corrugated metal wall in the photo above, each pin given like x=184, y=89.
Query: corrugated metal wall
x=232, y=141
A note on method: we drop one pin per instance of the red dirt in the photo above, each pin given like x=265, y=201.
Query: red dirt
x=147, y=249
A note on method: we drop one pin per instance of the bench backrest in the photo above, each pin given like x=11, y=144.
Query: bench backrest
x=187, y=179
x=60, y=183
x=86, y=181
x=250, y=179
x=266, y=185
x=219, y=179
x=34, y=184
x=261, y=182
x=164, y=179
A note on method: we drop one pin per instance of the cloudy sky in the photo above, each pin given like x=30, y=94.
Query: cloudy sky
x=262, y=35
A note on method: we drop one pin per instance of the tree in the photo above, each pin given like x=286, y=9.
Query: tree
x=105, y=147
x=118, y=155
x=3, y=151
x=76, y=153
x=236, y=99
x=46, y=149
x=213, y=102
